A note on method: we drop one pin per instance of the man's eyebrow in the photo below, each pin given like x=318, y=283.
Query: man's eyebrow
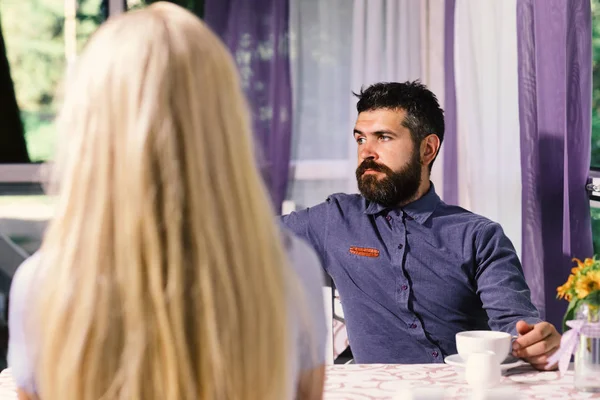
x=380, y=132
x=385, y=132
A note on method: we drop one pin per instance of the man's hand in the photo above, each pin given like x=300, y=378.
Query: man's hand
x=536, y=343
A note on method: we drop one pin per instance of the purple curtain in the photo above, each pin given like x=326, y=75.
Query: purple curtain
x=450, y=137
x=555, y=90
x=257, y=34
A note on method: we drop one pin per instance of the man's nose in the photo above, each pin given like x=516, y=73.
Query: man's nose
x=367, y=151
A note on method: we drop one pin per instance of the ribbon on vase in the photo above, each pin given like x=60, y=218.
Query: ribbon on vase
x=570, y=341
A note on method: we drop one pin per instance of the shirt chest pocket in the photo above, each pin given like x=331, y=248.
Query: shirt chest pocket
x=369, y=252
x=368, y=267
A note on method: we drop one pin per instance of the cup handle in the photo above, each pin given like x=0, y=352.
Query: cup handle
x=512, y=340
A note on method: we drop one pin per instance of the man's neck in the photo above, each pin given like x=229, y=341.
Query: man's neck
x=421, y=191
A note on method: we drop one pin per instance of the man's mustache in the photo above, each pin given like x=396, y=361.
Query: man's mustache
x=370, y=165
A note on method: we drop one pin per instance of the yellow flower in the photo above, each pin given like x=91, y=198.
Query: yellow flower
x=587, y=284
x=589, y=262
x=564, y=289
x=568, y=297
x=580, y=265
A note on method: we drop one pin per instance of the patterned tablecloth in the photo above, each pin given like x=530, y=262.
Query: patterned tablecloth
x=420, y=382
x=440, y=381
x=7, y=386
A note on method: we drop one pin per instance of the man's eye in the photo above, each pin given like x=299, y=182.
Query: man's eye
x=360, y=140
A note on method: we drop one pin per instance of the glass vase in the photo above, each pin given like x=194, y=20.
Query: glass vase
x=587, y=354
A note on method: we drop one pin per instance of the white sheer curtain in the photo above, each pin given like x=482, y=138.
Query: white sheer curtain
x=386, y=46
x=339, y=46
x=321, y=52
x=488, y=117
x=432, y=68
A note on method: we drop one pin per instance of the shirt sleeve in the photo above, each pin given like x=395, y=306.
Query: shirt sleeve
x=309, y=315
x=501, y=284
x=21, y=351
x=310, y=225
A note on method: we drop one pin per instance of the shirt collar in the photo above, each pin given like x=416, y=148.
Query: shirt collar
x=419, y=210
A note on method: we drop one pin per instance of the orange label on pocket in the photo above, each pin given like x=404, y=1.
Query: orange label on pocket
x=364, y=251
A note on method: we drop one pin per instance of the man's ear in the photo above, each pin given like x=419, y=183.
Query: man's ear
x=429, y=148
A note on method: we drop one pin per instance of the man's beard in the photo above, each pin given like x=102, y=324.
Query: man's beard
x=396, y=188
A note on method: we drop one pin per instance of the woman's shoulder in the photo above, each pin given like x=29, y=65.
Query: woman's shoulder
x=24, y=275
x=312, y=330
x=22, y=344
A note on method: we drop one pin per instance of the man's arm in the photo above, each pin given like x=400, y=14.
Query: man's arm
x=506, y=298
x=311, y=225
x=500, y=281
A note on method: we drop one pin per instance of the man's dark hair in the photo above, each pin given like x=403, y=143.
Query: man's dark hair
x=423, y=113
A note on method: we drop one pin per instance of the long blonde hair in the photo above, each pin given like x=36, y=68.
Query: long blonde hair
x=163, y=269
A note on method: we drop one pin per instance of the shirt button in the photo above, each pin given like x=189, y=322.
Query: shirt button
x=400, y=246
x=404, y=287
x=388, y=218
x=413, y=326
x=435, y=354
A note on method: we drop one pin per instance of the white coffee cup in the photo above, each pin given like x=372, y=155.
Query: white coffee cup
x=499, y=343
x=482, y=370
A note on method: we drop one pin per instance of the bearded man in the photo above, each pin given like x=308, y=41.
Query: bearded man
x=411, y=270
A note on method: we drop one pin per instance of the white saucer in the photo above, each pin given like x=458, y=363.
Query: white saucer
x=511, y=362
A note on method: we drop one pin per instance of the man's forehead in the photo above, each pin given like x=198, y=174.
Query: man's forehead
x=372, y=119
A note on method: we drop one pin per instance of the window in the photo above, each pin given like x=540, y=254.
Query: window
x=41, y=36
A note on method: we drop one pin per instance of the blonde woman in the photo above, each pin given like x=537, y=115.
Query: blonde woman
x=162, y=274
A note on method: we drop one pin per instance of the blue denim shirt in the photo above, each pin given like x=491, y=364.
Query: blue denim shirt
x=410, y=278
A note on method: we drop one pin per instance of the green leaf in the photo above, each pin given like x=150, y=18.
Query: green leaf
x=593, y=298
x=570, y=314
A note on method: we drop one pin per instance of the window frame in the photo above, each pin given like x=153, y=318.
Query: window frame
x=21, y=173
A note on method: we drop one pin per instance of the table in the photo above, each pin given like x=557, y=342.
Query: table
x=385, y=381
x=7, y=386
x=441, y=381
